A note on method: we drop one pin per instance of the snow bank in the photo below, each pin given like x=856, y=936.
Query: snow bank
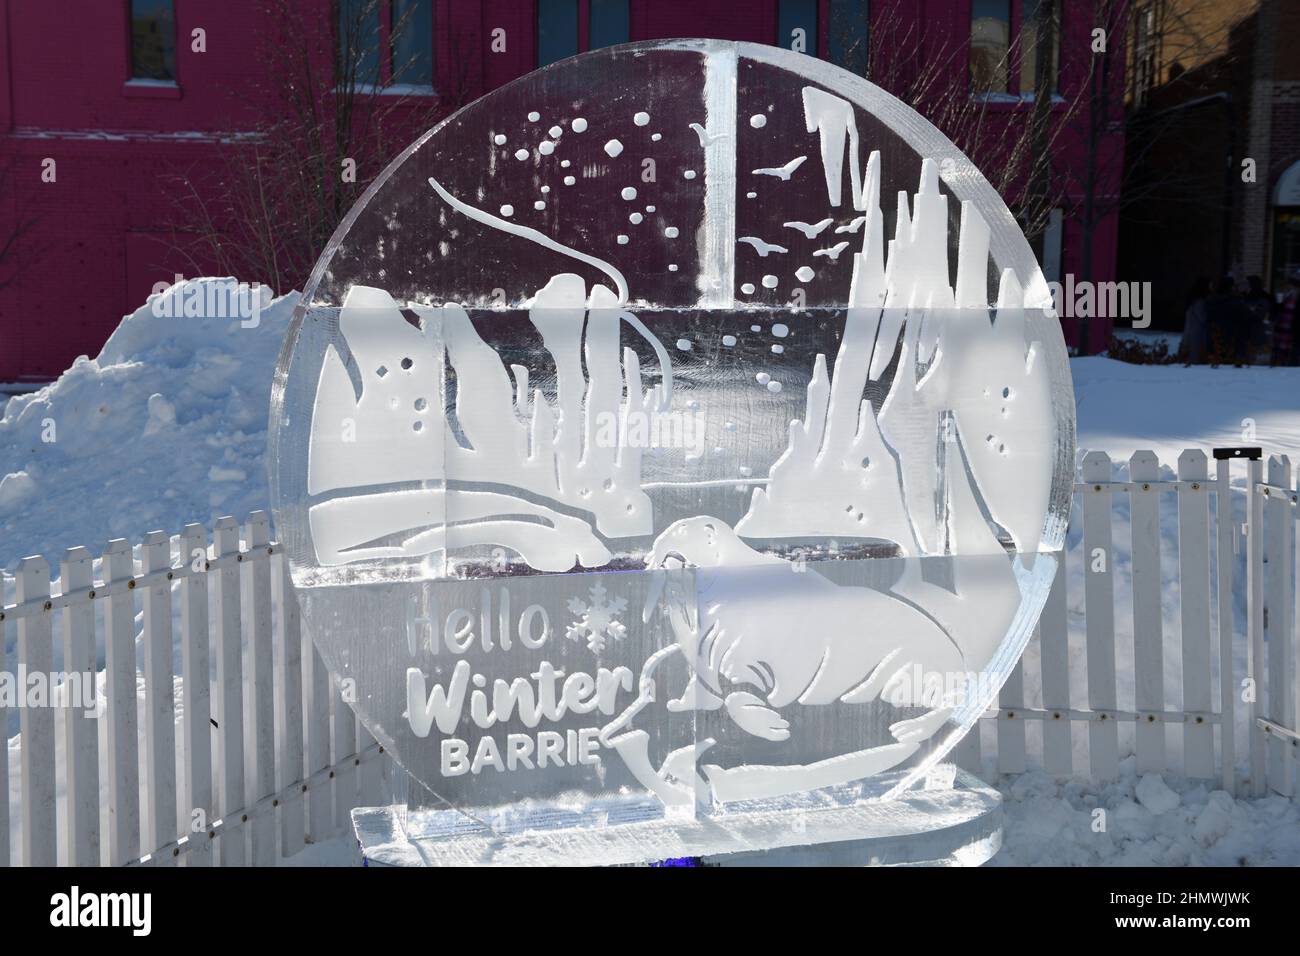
x=1165, y=408
x=165, y=427
x=1147, y=821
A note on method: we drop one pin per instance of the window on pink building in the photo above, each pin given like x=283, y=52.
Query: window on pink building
x=359, y=43
x=557, y=30
x=558, y=36
x=847, y=35
x=1033, y=14
x=385, y=43
x=796, y=26
x=990, y=43
x=153, y=40
x=412, y=42
x=609, y=24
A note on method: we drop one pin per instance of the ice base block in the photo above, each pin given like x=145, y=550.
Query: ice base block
x=959, y=825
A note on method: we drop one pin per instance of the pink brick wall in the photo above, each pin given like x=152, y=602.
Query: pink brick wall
x=100, y=237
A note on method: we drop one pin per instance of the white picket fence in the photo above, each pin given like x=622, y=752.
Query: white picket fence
x=272, y=758
x=1206, y=638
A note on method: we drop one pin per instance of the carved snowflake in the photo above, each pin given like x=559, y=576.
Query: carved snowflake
x=597, y=620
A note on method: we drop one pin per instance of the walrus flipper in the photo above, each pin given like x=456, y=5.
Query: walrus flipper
x=753, y=716
x=695, y=697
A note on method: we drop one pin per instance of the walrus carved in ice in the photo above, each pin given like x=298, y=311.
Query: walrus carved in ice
x=766, y=638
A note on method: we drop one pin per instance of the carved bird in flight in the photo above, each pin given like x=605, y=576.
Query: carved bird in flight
x=761, y=247
x=782, y=172
x=852, y=226
x=705, y=136
x=833, y=253
x=811, y=231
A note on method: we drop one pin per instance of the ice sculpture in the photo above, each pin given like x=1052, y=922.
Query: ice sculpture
x=627, y=468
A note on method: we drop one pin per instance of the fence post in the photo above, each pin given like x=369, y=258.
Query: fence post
x=1295, y=619
x=1148, y=630
x=1255, y=666
x=316, y=682
x=36, y=655
x=121, y=705
x=967, y=752
x=1225, y=532
x=159, y=693
x=1099, y=616
x=1194, y=585
x=230, y=687
x=260, y=729
x=1011, y=722
x=1281, y=630
x=80, y=724
x=345, y=749
x=1054, y=656
x=197, y=728
x=289, y=700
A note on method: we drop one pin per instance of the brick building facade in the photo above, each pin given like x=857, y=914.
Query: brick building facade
x=104, y=104
x=1214, y=137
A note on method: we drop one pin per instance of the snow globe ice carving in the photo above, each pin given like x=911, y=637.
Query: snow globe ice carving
x=681, y=432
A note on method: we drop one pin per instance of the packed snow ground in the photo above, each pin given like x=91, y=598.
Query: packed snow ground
x=168, y=426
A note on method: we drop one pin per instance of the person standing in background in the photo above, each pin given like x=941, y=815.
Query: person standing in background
x=1228, y=321
x=1284, y=328
x=1195, y=327
x=1260, y=303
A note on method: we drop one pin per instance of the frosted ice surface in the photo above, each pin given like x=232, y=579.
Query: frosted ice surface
x=575, y=524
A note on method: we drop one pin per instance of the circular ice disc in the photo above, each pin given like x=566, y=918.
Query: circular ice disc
x=681, y=424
